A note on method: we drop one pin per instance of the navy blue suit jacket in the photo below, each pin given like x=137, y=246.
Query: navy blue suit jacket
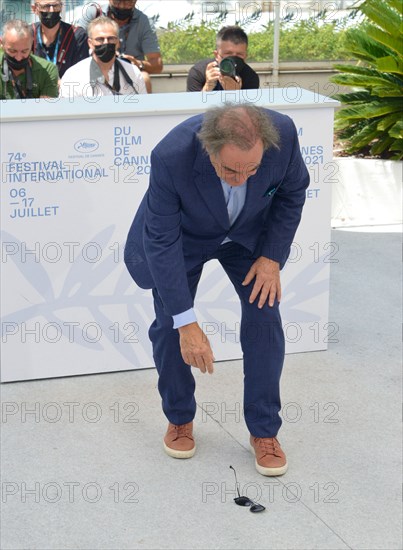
x=183, y=217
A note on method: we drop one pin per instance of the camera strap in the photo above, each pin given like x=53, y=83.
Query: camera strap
x=19, y=91
x=119, y=64
x=97, y=76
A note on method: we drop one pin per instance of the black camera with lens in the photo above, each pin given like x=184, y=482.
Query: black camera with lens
x=231, y=66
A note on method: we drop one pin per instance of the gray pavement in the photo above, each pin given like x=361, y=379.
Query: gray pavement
x=97, y=477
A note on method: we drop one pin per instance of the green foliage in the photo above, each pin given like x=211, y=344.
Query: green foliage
x=187, y=45
x=312, y=39
x=371, y=121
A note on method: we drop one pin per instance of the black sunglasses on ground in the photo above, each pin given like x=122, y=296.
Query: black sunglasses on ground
x=245, y=501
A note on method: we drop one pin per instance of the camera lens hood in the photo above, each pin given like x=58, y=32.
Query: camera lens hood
x=231, y=66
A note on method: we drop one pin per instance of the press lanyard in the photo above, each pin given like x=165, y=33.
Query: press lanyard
x=39, y=38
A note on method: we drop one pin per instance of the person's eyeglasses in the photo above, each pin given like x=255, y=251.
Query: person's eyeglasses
x=101, y=39
x=245, y=501
x=47, y=7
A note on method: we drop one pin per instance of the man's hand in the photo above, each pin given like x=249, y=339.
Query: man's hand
x=267, y=282
x=130, y=58
x=212, y=76
x=195, y=348
x=229, y=83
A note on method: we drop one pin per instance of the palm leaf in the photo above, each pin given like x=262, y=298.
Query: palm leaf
x=396, y=4
x=373, y=110
x=383, y=91
x=369, y=72
x=363, y=81
x=390, y=64
x=367, y=134
x=392, y=42
x=381, y=145
x=353, y=97
x=397, y=145
x=386, y=17
x=397, y=130
x=29, y=266
x=361, y=45
x=386, y=122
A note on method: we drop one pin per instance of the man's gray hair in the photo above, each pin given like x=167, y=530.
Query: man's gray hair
x=240, y=125
x=22, y=28
x=102, y=21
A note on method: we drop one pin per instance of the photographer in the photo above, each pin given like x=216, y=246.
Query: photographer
x=24, y=75
x=102, y=73
x=54, y=39
x=212, y=74
x=138, y=40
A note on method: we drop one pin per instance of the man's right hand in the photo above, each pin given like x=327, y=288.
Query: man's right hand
x=212, y=76
x=195, y=348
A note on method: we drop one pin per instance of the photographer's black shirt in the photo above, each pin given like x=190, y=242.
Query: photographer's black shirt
x=197, y=77
x=69, y=48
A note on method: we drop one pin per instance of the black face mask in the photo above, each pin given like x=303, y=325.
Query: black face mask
x=105, y=52
x=15, y=64
x=120, y=13
x=49, y=19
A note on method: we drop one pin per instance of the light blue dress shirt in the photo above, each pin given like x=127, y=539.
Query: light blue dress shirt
x=234, y=199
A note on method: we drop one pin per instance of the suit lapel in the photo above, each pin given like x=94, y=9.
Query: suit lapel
x=257, y=185
x=209, y=186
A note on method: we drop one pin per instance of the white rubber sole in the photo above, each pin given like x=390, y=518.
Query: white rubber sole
x=179, y=454
x=271, y=471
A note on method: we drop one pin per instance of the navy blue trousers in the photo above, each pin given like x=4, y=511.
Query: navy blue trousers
x=262, y=342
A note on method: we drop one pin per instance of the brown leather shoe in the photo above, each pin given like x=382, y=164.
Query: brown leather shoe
x=270, y=459
x=178, y=441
